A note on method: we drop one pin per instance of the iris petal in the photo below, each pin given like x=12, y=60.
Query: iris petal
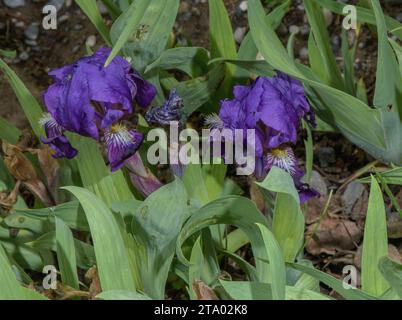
x=121, y=144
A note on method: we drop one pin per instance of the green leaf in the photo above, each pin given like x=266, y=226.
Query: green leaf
x=363, y=15
x=197, y=92
x=243, y=290
x=122, y=295
x=288, y=219
x=112, y=261
x=223, y=44
x=31, y=107
x=156, y=225
x=276, y=263
x=358, y=122
x=96, y=176
x=70, y=212
x=388, y=76
x=10, y=288
x=321, y=37
x=146, y=27
x=191, y=60
x=126, y=25
x=90, y=8
x=8, y=54
x=9, y=132
x=248, y=50
x=393, y=176
x=348, y=293
x=232, y=210
x=392, y=272
x=257, y=67
x=66, y=254
x=375, y=243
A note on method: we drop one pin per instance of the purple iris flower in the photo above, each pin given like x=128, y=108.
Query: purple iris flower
x=274, y=108
x=93, y=100
x=56, y=138
x=170, y=111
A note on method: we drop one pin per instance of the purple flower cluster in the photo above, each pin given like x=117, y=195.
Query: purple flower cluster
x=274, y=108
x=93, y=100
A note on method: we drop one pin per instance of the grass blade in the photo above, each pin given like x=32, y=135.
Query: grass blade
x=375, y=243
x=110, y=252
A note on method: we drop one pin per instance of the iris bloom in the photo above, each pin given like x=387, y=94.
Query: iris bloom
x=274, y=108
x=93, y=101
x=170, y=111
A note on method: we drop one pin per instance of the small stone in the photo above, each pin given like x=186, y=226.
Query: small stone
x=282, y=29
x=329, y=17
x=32, y=32
x=294, y=29
x=353, y=192
x=91, y=41
x=31, y=43
x=19, y=24
x=326, y=156
x=57, y=3
x=243, y=6
x=305, y=29
x=78, y=27
x=14, y=3
x=102, y=9
x=336, y=42
x=399, y=17
x=75, y=49
x=239, y=34
x=318, y=183
x=24, y=56
x=303, y=53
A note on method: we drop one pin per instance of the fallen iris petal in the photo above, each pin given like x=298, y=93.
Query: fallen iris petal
x=167, y=113
x=121, y=144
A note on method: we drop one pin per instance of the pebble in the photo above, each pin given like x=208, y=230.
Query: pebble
x=32, y=32
x=24, y=56
x=353, y=192
x=239, y=34
x=31, y=43
x=243, y=6
x=329, y=17
x=399, y=17
x=318, y=183
x=57, y=3
x=91, y=41
x=305, y=29
x=75, y=49
x=303, y=53
x=102, y=9
x=336, y=42
x=326, y=156
x=14, y=3
x=294, y=29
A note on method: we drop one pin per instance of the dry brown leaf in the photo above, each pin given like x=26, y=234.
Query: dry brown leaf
x=93, y=276
x=203, y=292
x=22, y=170
x=332, y=236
